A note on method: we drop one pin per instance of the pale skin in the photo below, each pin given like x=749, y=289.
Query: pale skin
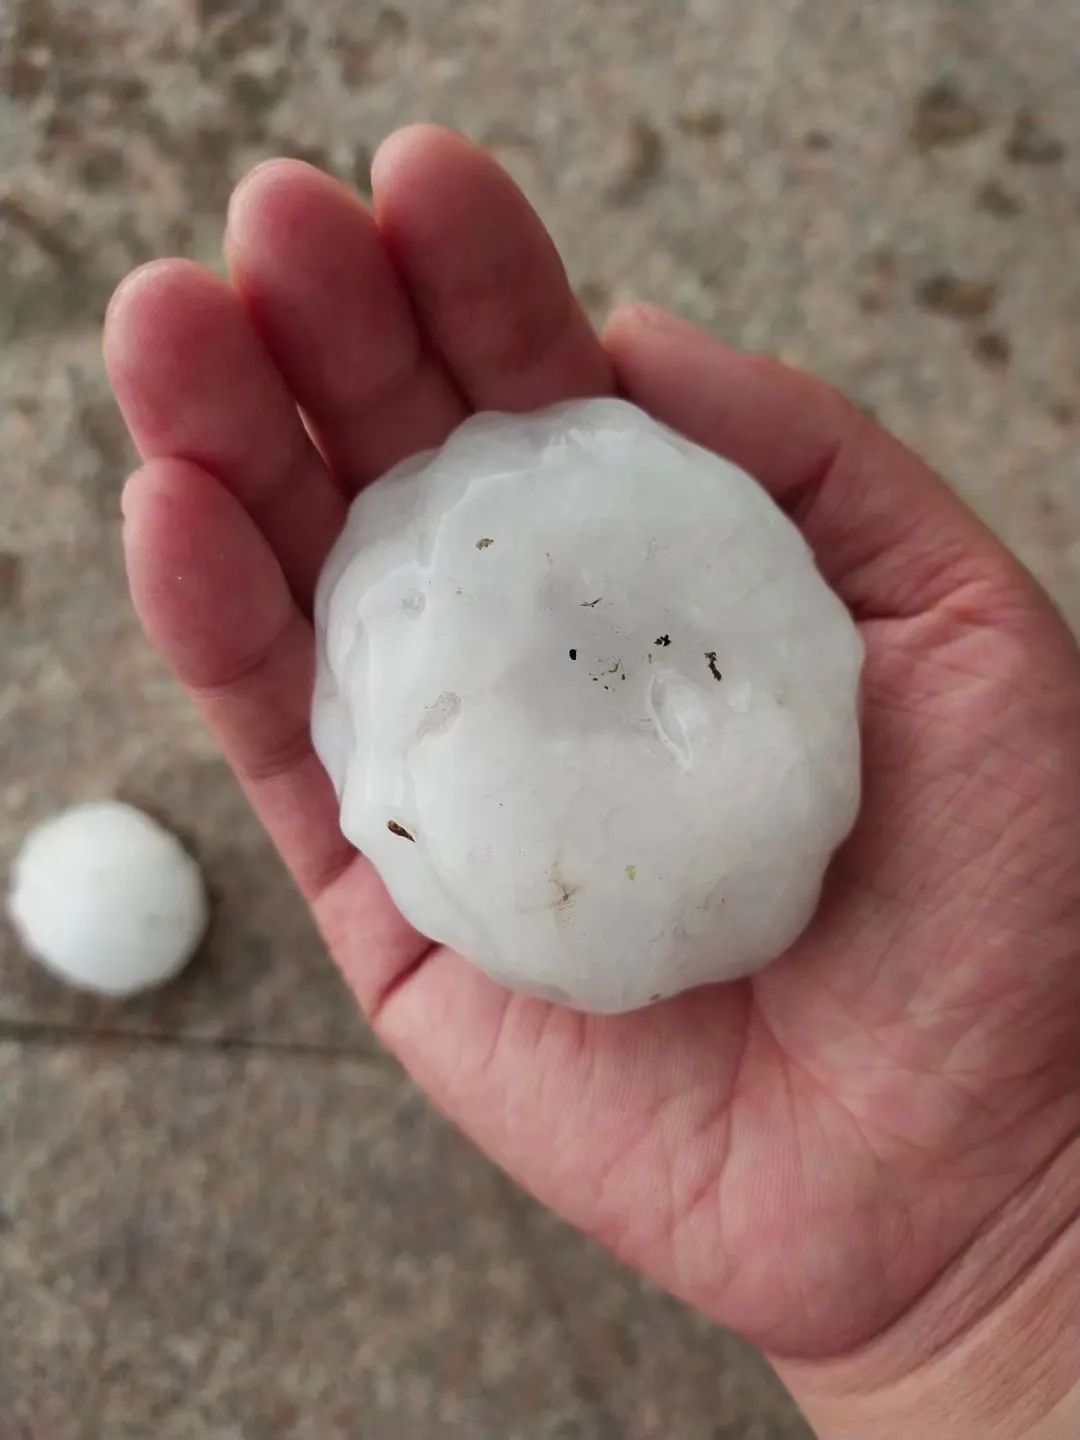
x=866, y=1158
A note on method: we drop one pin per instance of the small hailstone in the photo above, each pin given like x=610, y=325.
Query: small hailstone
x=107, y=899
x=588, y=705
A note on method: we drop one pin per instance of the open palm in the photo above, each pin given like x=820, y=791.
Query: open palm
x=802, y=1154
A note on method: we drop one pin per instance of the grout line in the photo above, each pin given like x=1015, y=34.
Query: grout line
x=54, y=1034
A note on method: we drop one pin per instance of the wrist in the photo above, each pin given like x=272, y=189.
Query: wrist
x=991, y=1351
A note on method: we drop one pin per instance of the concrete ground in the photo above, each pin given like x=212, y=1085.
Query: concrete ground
x=223, y=1213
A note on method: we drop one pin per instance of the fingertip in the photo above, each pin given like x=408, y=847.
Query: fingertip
x=264, y=205
x=163, y=298
x=249, y=194
x=288, y=221
x=267, y=171
x=411, y=146
x=147, y=284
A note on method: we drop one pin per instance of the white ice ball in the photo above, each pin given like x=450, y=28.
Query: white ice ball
x=588, y=705
x=107, y=899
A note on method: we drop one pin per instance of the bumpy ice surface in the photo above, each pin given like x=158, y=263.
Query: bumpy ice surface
x=588, y=705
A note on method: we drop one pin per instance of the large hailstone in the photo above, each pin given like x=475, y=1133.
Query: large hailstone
x=107, y=899
x=588, y=705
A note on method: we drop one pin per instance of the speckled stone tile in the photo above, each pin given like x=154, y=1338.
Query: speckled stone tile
x=196, y=1246
x=887, y=194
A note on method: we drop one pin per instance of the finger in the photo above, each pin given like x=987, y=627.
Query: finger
x=885, y=530
x=483, y=274
x=214, y=602
x=193, y=380
x=308, y=263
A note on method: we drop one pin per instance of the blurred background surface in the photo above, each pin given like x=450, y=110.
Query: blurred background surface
x=224, y=1214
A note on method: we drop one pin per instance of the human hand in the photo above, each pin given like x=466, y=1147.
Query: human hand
x=869, y=1153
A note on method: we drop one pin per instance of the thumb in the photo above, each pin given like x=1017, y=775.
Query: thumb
x=887, y=533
